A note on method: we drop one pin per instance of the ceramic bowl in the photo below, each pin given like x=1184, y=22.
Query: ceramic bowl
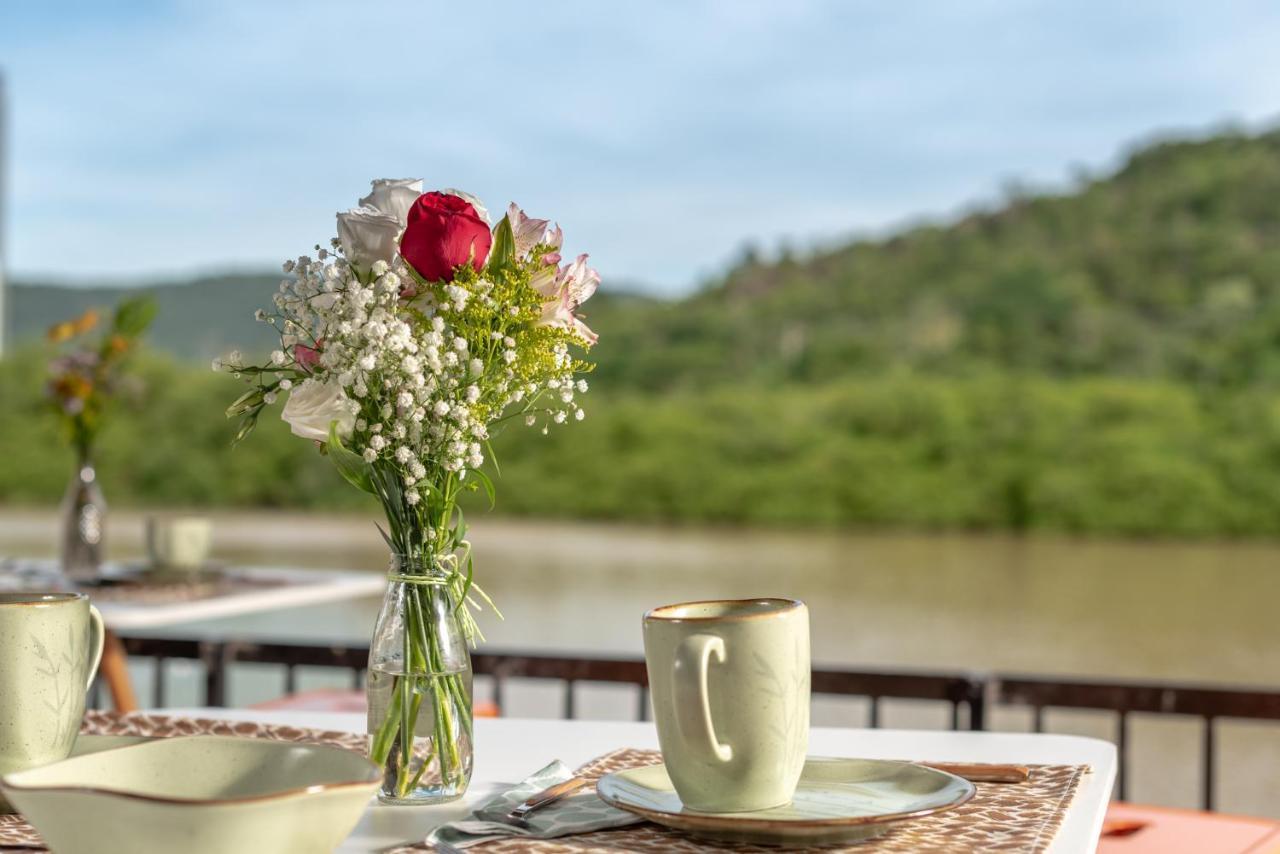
x=88, y=744
x=202, y=794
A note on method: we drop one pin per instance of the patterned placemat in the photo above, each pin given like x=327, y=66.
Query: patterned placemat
x=1007, y=817
x=1002, y=817
x=144, y=589
x=17, y=835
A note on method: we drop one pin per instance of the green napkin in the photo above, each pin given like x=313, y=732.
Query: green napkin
x=581, y=812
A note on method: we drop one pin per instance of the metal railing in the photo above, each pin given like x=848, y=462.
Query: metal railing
x=1206, y=703
x=967, y=698
x=970, y=696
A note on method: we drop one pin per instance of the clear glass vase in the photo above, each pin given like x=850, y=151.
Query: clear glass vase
x=84, y=519
x=419, y=689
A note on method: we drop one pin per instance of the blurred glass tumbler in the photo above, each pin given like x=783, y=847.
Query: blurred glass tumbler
x=50, y=645
x=180, y=543
x=730, y=687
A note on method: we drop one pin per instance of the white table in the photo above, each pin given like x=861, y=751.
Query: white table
x=509, y=749
x=297, y=587
x=287, y=588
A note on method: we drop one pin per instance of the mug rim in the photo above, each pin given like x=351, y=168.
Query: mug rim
x=38, y=598
x=662, y=612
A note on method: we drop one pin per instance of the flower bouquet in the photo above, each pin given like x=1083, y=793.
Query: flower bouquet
x=403, y=346
x=81, y=387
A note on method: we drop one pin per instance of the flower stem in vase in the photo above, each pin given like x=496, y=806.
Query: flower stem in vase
x=419, y=693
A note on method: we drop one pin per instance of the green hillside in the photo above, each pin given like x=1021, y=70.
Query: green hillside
x=1100, y=360
x=197, y=321
x=1168, y=268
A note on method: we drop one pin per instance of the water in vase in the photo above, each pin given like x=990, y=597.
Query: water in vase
x=435, y=765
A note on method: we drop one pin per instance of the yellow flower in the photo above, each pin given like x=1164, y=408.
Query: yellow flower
x=86, y=321
x=60, y=332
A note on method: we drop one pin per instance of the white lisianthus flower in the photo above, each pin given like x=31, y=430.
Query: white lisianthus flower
x=368, y=235
x=481, y=210
x=394, y=196
x=313, y=405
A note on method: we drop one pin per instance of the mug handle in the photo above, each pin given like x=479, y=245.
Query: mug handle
x=99, y=635
x=693, y=657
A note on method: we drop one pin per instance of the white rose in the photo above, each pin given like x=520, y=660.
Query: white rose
x=394, y=196
x=313, y=405
x=368, y=235
x=481, y=210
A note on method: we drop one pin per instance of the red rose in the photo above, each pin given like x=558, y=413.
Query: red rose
x=444, y=231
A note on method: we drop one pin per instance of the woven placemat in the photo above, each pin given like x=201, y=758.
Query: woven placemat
x=143, y=589
x=1007, y=817
x=1001, y=817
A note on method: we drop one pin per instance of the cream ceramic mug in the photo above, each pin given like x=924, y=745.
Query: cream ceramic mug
x=730, y=687
x=50, y=646
x=178, y=543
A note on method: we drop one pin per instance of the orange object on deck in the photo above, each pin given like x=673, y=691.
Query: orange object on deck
x=1137, y=829
x=336, y=700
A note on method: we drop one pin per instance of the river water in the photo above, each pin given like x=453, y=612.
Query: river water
x=1196, y=612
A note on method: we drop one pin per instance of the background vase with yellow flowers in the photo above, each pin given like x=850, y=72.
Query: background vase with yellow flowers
x=84, y=380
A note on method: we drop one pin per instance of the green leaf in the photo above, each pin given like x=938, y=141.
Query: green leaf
x=250, y=399
x=433, y=492
x=459, y=530
x=247, y=423
x=391, y=545
x=488, y=487
x=467, y=582
x=417, y=278
x=493, y=458
x=133, y=316
x=503, y=251
x=350, y=465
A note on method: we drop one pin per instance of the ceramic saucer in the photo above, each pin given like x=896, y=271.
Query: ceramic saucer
x=838, y=800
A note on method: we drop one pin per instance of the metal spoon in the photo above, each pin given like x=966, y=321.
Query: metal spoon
x=520, y=815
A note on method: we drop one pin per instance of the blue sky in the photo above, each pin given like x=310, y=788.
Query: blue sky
x=155, y=138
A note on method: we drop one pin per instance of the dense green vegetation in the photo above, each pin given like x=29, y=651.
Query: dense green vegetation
x=1090, y=455
x=1105, y=360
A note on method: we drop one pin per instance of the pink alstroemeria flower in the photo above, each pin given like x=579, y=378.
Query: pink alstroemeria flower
x=527, y=231
x=307, y=357
x=555, y=238
x=565, y=290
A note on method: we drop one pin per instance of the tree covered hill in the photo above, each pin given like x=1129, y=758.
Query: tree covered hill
x=1168, y=268
x=198, y=319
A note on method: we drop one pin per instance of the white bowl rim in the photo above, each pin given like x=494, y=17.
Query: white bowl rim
x=374, y=774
